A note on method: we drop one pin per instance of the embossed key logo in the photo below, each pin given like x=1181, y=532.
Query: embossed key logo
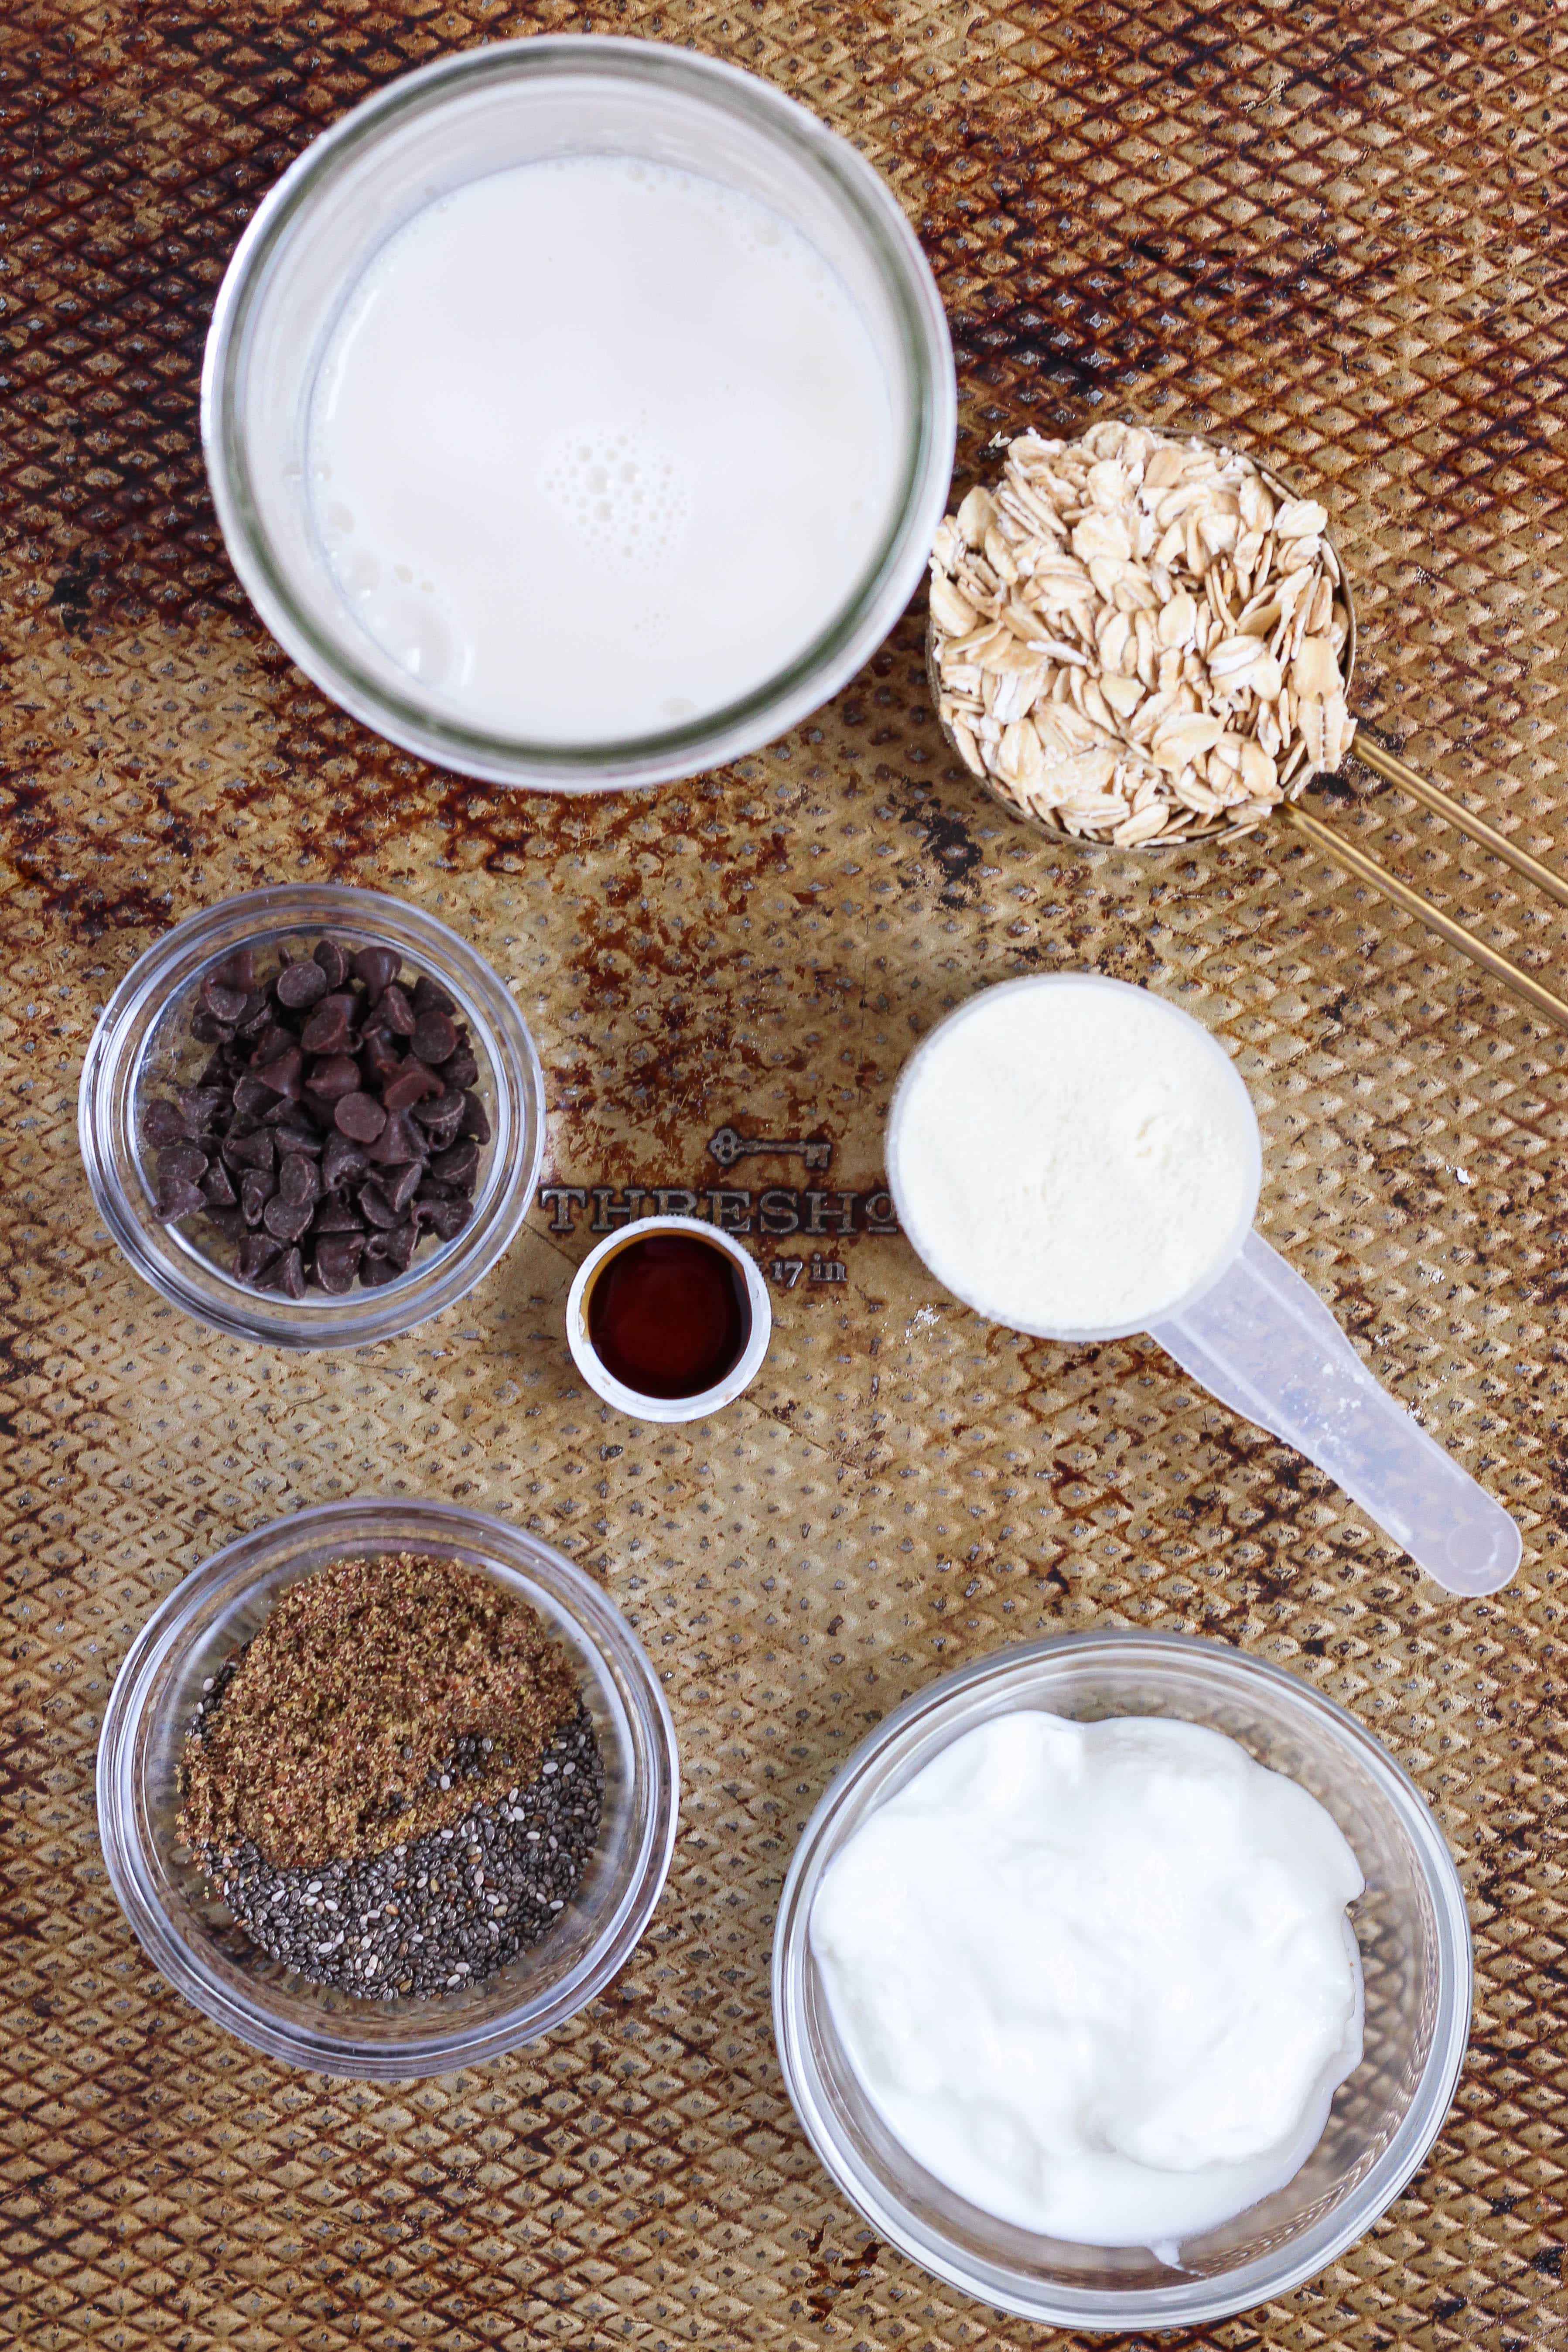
x=727, y=1147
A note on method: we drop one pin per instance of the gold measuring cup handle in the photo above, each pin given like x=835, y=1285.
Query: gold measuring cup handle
x=1369, y=869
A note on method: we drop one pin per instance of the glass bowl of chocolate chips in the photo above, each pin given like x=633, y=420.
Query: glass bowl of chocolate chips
x=312, y=1117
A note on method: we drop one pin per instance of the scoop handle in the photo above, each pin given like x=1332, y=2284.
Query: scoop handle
x=1263, y=1343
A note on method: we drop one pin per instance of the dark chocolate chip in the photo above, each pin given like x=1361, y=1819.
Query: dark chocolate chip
x=208, y=1030
x=396, y=1142
x=374, y=1271
x=333, y=961
x=256, y=1187
x=336, y=1215
x=411, y=1085
x=337, y=1261
x=457, y=1166
x=361, y=1118
x=394, y=1008
x=299, y=1181
x=377, y=1208
x=200, y=1106
x=434, y=1038
x=475, y=1122
x=441, y=1120
x=295, y=1130
x=218, y=1188
x=182, y=1163
x=445, y=1218
x=256, y=1253
x=237, y=971
x=330, y=1026
x=379, y=1057
x=401, y=1244
x=400, y=1184
x=376, y=966
x=271, y=1040
x=228, y=1221
x=258, y=1150
x=335, y=1075
x=287, y=1219
x=163, y=1123
x=251, y=1098
x=286, y=1075
x=225, y=1004
x=341, y=1161
x=429, y=996
x=256, y=1013
x=302, y=985
x=287, y=1275
x=461, y=1070
x=177, y=1199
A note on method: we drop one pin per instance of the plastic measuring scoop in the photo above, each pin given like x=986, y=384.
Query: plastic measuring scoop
x=1263, y=1343
x=1254, y=1334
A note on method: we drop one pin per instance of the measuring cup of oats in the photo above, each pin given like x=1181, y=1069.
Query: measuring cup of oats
x=1141, y=641
x=1079, y=1159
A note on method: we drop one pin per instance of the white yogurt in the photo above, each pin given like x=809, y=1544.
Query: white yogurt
x=1098, y=1978
x=1072, y=1156
x=599, y=446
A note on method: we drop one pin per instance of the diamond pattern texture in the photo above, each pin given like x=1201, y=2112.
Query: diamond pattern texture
x=1333, y=231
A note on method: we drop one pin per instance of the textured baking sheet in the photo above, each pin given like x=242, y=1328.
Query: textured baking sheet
x=1334, y=230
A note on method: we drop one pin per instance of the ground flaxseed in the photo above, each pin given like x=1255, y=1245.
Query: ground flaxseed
x=382, y=1700
x=437, y=1914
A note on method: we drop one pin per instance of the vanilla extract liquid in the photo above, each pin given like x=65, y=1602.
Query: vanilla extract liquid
x=669, y=1315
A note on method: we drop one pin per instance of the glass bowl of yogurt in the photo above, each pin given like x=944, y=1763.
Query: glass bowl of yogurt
x=1329, y=1812
x=188, y=1931
x=579, y=412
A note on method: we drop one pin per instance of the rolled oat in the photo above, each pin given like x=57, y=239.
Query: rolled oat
x=1135, y=639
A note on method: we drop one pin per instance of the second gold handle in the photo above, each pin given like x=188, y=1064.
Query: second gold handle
x=1367, y=868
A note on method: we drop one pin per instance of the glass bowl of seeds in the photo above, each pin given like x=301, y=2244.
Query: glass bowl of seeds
x=387, y=1788
x=311, y=1115
x=1139, y=639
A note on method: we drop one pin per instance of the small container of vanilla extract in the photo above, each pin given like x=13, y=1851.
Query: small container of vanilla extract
x=668, y=1319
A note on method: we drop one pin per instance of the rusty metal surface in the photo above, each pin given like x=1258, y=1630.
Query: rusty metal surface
x=1334, y=230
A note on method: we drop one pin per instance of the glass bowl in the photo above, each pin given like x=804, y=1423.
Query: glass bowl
x=190, y=1935
x=141, y=1047
x=1410, y=1924
x=459, y=119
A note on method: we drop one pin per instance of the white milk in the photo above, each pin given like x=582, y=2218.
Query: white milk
x=1098, y=1978
x=599, y=446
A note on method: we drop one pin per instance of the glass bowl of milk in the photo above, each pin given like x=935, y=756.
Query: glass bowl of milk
x=579, y=412
x=1413, y=1946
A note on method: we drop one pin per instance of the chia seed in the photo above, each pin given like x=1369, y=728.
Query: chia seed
x=445, y=1909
